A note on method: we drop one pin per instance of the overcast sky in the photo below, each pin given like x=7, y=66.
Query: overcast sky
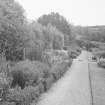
x=78, y=12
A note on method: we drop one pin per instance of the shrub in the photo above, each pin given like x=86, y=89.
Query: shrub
x=23, y=96
x=59, y=69
x=18, y=79
x=33, y=53
x=52, y=57
x=7, y=103
x=4, y=86
x=47, y=82
x=56, y=72
x=30, y=72
x=35, y=78
x=73, y=52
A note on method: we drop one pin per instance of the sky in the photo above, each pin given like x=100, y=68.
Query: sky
x=77, y=12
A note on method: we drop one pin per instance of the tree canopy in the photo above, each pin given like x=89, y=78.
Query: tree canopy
x=11, y=27
x=58, y=21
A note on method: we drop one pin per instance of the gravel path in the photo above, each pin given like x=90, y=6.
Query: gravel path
x=73, y=88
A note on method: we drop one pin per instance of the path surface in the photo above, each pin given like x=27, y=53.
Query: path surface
x=73, y=88
x=98, y=84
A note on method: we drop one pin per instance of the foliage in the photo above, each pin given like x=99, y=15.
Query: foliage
x=101, y=63
x=59, y=69
x=11, y=29
x=91, y=33
x=11, y=10
x=4, y=86
x=58, y=38
x=74, y=51
x=52, y=57
x=34, y=52
x=58, y=21
x=23, y=96
x=29, y=72
x=42, y=38
x=38, y=78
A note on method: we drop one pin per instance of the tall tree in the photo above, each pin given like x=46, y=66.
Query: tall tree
x=11, y=28
x=58, y=21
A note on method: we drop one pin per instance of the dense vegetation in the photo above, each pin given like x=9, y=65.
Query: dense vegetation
x=92, y=33
x=32, y=55
x=35, y=55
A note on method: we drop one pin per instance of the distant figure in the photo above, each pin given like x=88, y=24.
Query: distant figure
x=94, y=58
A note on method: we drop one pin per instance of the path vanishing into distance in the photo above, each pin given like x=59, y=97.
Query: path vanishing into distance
x=83, y=84
x=73, y=88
